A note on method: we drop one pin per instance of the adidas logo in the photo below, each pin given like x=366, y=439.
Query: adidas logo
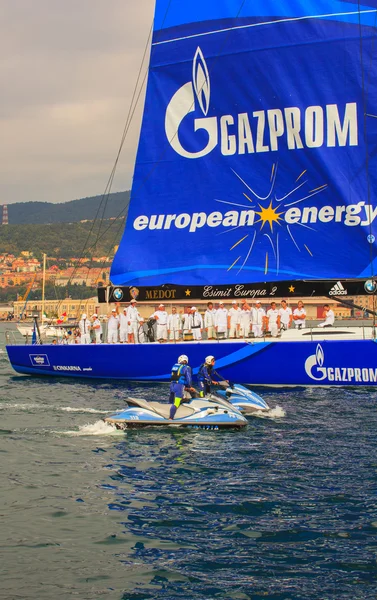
x=338, y=290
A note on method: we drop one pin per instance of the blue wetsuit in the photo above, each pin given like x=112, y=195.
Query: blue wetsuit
x=181, y=377
x=205, y=379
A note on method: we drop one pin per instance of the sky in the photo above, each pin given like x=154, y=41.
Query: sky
x=67, y=74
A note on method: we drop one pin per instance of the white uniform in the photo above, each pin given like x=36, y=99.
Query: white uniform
x=112, y=329
x=257, y=316
x=235, y=320
x=209, y=322
x=84, y=326
x=245, y=322
x=285, y=316
x=133, y=318
x=272, y=315
x=97, y=328
x=299, y=312
x=221, y=320
x=186, y=324
x=329, y=319
x=174, y=326
x=162, y=324
x=123, y=327
x=196, y=324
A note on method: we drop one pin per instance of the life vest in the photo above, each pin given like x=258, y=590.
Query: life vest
x=204, y=373
x=176, y=374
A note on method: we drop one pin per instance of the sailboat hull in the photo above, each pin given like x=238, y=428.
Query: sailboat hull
x=272, y=363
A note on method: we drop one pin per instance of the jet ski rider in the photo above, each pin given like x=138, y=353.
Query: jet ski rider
x=205, y=374
x=181, y=380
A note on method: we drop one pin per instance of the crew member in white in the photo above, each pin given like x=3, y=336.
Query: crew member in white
x=186, y=324
x=123, y=326
x=245, y=304
x=221, y=320
x=273, y=318
x=209, y=321
x=329, y=317
x=258, y=316
x=112, y=327
x=84, y=326
x=196, y=323
x=285, y=313
x=133, y=322
x=299, y=315
x=234, y=319
x=174, y=325
x=245, y=320
x=97, y=328
x=161, y=317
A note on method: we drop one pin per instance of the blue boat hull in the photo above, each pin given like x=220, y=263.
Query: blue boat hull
x=346, y=363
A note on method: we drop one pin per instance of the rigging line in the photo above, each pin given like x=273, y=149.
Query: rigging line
x=129, y=118
x=365, y=141
x=130, y=115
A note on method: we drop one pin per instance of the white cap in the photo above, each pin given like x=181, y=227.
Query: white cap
x=193, y=308
x=234, y=301
x=161, y=306
x=133, y=300
x=94, y=315
x=257, y=302
x=83, y=316
x=125, y=308
x=114, y=310
x=221, y=302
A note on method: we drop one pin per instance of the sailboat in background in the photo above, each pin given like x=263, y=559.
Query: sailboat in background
x=255, y=178
x=46, y=329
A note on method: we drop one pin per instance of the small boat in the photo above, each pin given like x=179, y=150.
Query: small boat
x=198, y=413
x=243, y=399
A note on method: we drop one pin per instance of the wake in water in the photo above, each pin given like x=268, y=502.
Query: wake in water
x=19, y=406
x=274, y=413
x=84, y=410
x=98, y=428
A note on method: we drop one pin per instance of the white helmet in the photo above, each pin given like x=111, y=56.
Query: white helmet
x=209, y=360
x=182, y=359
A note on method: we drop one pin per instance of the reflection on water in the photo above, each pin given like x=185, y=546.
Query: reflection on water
x=286, y=509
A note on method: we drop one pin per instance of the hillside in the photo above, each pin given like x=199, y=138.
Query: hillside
x=68, y=212
x=65, y=241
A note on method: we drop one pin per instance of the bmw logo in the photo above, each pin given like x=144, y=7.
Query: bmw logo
x=370, y=286
x=118, y=294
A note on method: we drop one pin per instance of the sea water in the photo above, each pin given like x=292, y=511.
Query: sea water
x=286, y=509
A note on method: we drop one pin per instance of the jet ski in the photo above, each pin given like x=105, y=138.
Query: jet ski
x=241, y=398
x=198, y=413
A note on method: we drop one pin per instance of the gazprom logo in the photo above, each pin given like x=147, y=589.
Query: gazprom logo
x=315, y=369
x=184, y=102
x=253, y=131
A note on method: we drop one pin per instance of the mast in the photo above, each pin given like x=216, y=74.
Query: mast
x=43, y=285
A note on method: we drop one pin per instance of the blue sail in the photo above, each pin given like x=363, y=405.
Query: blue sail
x=257, y=158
